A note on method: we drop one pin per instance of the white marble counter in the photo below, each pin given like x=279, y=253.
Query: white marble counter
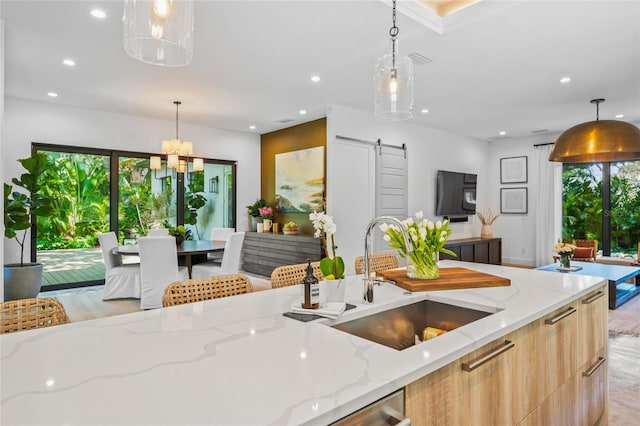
x=238, y=361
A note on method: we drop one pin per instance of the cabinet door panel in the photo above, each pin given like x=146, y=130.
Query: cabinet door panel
x=593, y=390
x=592, y=331
x=429, y=400
x=481, y=252
x=558, y=334
x=562, y=407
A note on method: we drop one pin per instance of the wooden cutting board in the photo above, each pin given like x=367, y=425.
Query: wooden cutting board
x=450, y=279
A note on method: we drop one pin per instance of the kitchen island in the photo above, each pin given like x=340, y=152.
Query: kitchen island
x=239, y=361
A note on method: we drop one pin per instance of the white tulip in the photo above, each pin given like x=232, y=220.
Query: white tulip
x=419, y=215
x=384, y=227
x=386, y=238
x=438, y=225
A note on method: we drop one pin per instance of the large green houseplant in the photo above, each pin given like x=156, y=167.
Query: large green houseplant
x=23, y=280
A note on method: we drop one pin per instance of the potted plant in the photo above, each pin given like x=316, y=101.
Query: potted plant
x=23, y=280
x=253, y=210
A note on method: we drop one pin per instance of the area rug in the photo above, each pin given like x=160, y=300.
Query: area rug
x=626, y=319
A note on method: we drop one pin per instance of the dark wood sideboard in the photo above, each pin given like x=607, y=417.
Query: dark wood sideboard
x=262, y=252
x=479, y=250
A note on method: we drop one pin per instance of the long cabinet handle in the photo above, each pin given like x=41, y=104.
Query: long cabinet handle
x=569, y=311
x=593, y=369
x=472, y=366
x=593, y=298
x=393, y=417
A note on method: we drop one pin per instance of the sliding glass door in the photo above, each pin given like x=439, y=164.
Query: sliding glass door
x=96, y=191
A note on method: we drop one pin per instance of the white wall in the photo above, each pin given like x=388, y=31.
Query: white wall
x=26, y=122
x=428, y=150
x=517, y=231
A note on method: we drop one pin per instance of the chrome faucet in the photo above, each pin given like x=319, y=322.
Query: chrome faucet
x=368, y=281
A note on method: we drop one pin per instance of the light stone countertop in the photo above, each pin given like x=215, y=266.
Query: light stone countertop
x=239, y=361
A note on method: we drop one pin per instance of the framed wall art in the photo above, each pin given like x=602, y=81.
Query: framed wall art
x=513, y=201
x=513, y=170
x=300, y=180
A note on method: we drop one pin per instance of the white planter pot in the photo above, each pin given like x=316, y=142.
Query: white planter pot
x=22, y=282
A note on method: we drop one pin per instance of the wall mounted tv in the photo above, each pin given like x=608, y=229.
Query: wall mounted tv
x=455, y=193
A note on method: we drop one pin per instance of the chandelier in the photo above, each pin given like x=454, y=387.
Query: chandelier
x=177, y=152
x=159, y=32
x=393, y=81
x=598, y=141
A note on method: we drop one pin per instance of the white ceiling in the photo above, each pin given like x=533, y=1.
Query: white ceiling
x=496, y=69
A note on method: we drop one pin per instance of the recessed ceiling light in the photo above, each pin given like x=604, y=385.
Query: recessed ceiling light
x=303, y=111
x=69, y=62
x=98, y=13
x=315, y=78
x=252, y=127
x=52, y=94
x=565, y=80
x=619, y=115
x=424, y=110
x=502, y=133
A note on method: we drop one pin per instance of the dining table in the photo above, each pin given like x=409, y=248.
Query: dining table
x=188, y=249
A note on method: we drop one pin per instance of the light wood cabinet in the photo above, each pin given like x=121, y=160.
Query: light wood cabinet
x=551, y=371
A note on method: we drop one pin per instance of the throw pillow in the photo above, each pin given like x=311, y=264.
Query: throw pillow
x=583, y=253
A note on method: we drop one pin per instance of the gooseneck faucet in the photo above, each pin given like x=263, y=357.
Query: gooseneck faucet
x=368, y=281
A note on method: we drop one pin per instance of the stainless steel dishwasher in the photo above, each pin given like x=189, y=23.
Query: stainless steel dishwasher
x=387, y=411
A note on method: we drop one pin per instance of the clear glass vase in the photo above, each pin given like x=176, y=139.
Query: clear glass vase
x=565, y=261
x=424, y=267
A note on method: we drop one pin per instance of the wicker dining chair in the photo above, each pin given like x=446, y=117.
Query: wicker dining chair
x=378, y=262
x=288, y=275
x=25, y=314
x=197, y=290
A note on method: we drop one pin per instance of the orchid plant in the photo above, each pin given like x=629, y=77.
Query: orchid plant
x=332, y=267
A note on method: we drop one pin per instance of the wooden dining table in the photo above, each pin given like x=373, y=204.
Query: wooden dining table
x=188, y=249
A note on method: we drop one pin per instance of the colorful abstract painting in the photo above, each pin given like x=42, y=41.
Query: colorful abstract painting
x=300, y=180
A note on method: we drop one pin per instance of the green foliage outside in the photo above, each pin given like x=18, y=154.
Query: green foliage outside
x=582, y=204
x=78, y=186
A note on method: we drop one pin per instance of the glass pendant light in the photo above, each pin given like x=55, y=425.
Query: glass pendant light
x=598, y=141
x=393, y=81
x=159, y=32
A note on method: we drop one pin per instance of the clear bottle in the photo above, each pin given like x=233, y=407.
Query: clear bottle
x=310, y=289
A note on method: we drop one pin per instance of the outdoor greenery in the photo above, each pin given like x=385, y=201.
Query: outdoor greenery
x=582, y=204
x=79, y=187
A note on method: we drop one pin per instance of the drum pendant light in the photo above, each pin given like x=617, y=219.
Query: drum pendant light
x=598, y=141
x=393, y=81
x=159, y=32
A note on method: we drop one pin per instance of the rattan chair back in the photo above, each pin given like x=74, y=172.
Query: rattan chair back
x=288, y=275
x=197, y=290
x=26, y=314
x=378, y=262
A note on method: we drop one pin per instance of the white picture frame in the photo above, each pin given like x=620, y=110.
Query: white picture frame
x=513, y=170
x=514, y=200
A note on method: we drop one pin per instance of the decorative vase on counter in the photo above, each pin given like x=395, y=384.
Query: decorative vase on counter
x=334, y=290
x=486, y=231
x=423, y=267
x=266, y=225
x=179, y=239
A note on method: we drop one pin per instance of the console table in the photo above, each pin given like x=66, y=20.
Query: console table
x=478, y=250
x=262, y=252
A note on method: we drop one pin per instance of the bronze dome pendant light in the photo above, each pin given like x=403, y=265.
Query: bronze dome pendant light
x=598, y=141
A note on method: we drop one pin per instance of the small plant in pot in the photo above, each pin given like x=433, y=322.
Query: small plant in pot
x=253, y=210
x=23, y=280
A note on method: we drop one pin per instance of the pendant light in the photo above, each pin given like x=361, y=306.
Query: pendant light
x=393, y=81
x=159, y=32
x=177, y=152
x=598, y=141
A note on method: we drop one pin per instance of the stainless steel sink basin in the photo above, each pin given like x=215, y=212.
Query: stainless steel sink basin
x=403, y=327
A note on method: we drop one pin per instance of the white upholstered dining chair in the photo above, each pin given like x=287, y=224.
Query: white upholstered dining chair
x=120, y=281
x=158, y=268
x=230, y=259
x=219, y=234
x=158, y=232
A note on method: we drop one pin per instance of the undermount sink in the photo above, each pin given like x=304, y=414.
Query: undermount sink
x=403, y=327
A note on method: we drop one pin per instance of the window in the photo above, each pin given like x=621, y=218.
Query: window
x=96, y=191
x=601, y=202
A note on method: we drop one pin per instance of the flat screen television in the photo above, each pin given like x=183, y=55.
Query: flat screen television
x=455, y=193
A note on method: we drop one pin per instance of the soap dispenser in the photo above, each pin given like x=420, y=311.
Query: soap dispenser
x=310, y=289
